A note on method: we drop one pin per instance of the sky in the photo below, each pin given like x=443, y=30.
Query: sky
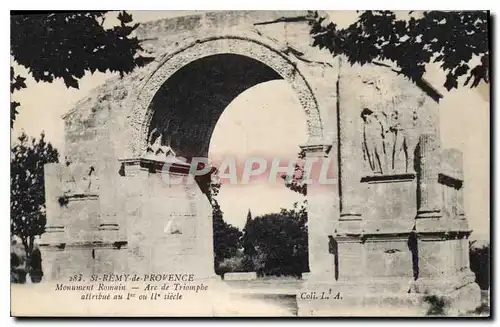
x=259, y=124
x=464, y=118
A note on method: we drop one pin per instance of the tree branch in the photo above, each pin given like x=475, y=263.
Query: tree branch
x=422, y=83
x=304, y=18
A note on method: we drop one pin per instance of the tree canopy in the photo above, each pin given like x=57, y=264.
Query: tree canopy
x=226, y=237
x=68, y=44
x=27, y=190
x=295, y=181
x=276, y=243
x=452, y=39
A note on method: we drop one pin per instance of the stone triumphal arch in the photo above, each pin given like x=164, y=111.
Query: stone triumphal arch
x=391, y=230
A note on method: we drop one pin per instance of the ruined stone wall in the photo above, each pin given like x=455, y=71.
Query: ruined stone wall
x=168, y=224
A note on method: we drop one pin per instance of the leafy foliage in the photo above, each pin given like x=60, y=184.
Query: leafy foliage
x=437, y=305
x=231, y=265
x=450, y=38
x=16, y=83
x=18, y=263
x=294, y=182
x=226, y=237
x=247, y=242
x=27, y=192
x=273, y=244
x=69, y=44
x=480, y=263
x=277, y=244
x=280, y=242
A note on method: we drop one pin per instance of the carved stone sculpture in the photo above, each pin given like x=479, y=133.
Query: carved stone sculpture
x=374, y=142
x=385, y=146
x=399, y=147
x=77, y=179
x=156, y=150
x=68, y=179
x=90, y=177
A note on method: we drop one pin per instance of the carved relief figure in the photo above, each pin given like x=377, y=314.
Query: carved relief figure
x=414, y=118
x=170, y=130
x=91, y=177
x=68, y=179
x=164, y=134
x=157, y=143
x=384, y=148
x=82, y=182
x=399, y=147
x=374, y=151
x=157, y=140
x=156, y=148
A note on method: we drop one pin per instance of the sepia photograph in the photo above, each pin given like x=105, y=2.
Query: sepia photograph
x=250, y=163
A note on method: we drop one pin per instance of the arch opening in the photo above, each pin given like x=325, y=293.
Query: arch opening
x=256, y=52
x=188, y=105
x=186, y=108
x=268, y=128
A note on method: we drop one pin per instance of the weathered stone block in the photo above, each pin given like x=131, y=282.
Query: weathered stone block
x=246, y=276
x=168, y=224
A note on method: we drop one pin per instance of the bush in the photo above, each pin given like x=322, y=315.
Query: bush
x=437, y=305
x=280, y=243
x=479, y=253
x=229, y=265
x=36, y=272
x=19, y=263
